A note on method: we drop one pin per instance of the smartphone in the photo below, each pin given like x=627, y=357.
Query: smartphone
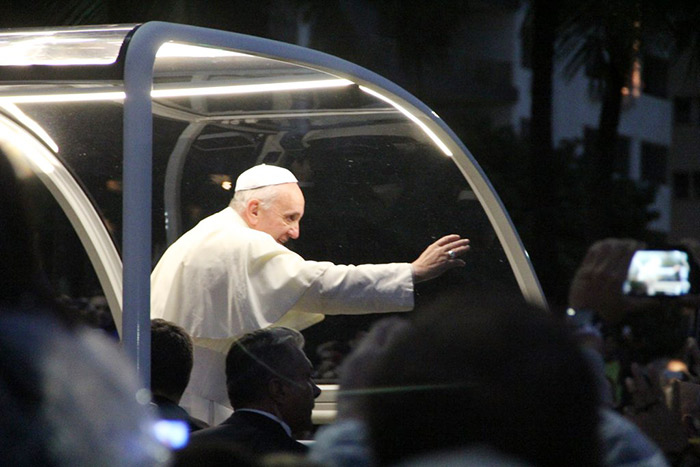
x=660, y=273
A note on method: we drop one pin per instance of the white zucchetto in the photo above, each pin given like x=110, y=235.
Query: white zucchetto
x=264, y=175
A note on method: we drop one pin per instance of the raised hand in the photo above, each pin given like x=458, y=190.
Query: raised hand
x=439, y=257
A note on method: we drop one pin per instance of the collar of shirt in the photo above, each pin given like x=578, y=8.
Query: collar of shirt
x=270, y=416
x=234, y=216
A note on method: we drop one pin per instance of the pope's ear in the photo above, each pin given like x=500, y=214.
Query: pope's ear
x=252, y=211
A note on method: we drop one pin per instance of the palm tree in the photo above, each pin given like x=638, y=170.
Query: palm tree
x=609, y=40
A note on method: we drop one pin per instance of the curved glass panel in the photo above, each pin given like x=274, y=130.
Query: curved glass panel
x=87, y=138
x=83, y=45
x=67, y=265
x=378, y=186
x=75, y=250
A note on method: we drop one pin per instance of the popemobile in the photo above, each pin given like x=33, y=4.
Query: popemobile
x=125, y=136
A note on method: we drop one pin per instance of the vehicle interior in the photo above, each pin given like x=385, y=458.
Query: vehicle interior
x=383, y=176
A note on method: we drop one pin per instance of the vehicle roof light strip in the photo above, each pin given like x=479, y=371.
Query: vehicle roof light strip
x=443, y=147
x=93, y=95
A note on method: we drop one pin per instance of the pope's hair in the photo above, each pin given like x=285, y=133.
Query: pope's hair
x=266, y=195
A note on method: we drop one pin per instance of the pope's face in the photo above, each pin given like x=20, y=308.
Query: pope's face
x=281, y=218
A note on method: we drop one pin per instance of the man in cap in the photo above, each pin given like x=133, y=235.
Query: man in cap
x=231, y=274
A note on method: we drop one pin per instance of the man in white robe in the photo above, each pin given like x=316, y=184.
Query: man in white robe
x=231, y=274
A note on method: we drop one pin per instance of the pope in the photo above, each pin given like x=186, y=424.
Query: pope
x=231, y=274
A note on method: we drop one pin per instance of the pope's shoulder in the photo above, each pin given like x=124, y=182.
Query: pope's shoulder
x=225, y=231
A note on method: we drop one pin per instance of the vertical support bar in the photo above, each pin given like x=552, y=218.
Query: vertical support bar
x=137, y=182
x=173, y=178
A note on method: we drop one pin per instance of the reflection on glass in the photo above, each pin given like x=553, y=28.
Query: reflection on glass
x=180, y=50
x=62, y=46
x=33, y=126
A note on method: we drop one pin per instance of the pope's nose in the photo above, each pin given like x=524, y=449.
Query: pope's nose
x=294, y=231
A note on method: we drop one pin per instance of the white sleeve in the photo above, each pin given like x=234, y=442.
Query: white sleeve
x=367, y=288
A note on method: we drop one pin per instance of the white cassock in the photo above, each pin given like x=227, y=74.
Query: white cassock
x=223, y=279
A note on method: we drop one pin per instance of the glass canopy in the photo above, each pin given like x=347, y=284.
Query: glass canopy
x=79, y=45
x=138, y=132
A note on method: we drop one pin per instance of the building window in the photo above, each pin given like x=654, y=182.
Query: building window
x=654, y=162
x=681, y=109
x=655, y=76
x=681, y=185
